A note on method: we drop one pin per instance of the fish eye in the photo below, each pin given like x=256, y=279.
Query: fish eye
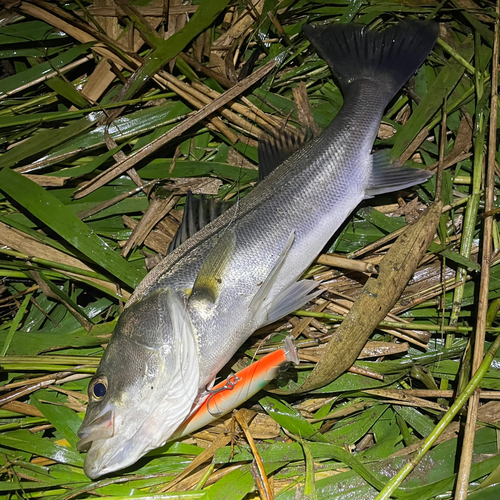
x=99, y=389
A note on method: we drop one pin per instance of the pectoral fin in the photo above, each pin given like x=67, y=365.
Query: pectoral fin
x=261, y=298
x=291, y=299
x=213, y=270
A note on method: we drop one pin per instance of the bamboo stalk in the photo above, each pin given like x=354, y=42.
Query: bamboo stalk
x=480, y=333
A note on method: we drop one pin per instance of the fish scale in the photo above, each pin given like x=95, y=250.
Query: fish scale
x=192, y=312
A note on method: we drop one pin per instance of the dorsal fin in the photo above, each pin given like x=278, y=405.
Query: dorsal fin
x=276, y=148
x=198, y=212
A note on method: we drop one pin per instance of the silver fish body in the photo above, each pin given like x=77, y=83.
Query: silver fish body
x=195, y=309
x=307, y=198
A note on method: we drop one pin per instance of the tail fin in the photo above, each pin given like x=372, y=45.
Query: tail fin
x=388, y=58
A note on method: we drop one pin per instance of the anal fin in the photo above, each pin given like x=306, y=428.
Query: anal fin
x=387, y=176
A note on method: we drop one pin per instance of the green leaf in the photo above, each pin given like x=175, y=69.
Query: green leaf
x=205, y=15
x=290, y=419
x=421, y=423
x=65, y=420
x=13, y=82
x=21, y=33
x=45, y=139
x=442, y=87
x=25, y=441
x=349, y=430
x=41, y=204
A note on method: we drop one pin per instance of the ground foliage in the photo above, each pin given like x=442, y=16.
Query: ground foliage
x=86, y=85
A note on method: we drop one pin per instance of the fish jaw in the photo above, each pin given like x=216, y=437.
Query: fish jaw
x=116, y=441
x=107, y=451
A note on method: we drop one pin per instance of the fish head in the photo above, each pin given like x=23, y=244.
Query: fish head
x=145, y=385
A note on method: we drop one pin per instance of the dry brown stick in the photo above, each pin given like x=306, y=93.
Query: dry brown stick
x=274, y=121
x=36, y=380
x=366, y=372
x=195, y=99
x=377, y=244
x=119, y=156
x=205, y=95
x=462, y=485
x=376, y=349
x=158, y=208
x=193, y=119
x=28, y=389
x=154, y=11
x=23, y=408
x=156, y=240
x=221, y=441
x=304, y=108
x=50, y=294
x=108, y=203
x=403, y=397
x=225, y=82
x=85, y=37
x=73, y=31
x=343, y=263
x=208, y=453
x=237, y=107
x=489, y=412
x=438, y=393
x=416, y=337
x=262, y=481
x=305, y=322
x=410, y=150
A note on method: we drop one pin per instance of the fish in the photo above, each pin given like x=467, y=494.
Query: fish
x=242, y=271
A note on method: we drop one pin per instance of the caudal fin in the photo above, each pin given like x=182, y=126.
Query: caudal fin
x=388, y=58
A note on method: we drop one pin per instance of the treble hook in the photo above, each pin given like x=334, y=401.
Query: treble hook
x=231, y=382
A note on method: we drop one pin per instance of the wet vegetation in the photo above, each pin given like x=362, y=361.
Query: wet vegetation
x=111, y=110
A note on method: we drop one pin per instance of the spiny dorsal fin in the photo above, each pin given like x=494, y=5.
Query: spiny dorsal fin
x=212, y=273
x=276, y=148
x=197, y=214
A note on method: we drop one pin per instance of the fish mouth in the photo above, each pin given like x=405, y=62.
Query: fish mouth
x=102, y=427
x=110, y=446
